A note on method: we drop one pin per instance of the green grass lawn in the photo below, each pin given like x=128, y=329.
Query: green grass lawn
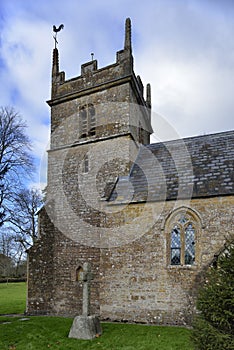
x=12, y=298
x=52, y=332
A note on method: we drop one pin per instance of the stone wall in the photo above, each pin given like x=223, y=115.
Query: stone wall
x=41, y=269
x=54, y=261
x=149, y=289
x=133, y=279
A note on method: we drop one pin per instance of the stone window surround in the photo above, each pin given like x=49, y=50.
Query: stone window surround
x=171, y=220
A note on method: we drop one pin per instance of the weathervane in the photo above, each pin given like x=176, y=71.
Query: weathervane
x=56, y=30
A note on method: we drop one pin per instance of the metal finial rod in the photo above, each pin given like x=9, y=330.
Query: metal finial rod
x=55, y=41
x=92, y=54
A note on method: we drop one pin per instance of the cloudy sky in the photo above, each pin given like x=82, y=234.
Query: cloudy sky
x=184, y=48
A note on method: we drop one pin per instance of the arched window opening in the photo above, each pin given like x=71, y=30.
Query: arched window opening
x=79, y=274
x=183, y=231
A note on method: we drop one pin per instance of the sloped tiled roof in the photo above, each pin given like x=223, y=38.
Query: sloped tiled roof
x=187, y=168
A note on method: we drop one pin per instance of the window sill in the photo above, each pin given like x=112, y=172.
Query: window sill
x=182, y=267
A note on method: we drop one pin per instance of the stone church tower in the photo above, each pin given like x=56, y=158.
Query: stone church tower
x=98, y=121
x=149, y=218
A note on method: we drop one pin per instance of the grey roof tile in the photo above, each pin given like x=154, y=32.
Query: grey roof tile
x=188, y=168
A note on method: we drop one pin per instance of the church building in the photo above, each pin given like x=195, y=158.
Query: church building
x=148, y=218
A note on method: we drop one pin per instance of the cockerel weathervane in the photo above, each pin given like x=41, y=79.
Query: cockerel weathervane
x=56, y=30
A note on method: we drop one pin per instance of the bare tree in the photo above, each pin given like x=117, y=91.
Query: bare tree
x=12, y=254
x=23, y=218
x=7, y=253
x=15, y=160
x=6, y=266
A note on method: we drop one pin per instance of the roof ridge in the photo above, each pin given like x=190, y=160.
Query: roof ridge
x=214, y=135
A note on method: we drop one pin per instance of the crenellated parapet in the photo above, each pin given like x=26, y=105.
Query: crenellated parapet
x=104, y=102
x=93, y=79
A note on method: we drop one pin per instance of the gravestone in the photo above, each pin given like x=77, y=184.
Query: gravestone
x=85, y=326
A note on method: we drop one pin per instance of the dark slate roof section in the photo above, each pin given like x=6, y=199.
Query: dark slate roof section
x=194, y=167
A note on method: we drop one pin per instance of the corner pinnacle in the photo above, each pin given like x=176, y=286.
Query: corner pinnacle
x=128, y=39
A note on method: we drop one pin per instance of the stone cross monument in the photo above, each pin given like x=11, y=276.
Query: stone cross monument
x=86, y=277
x=86, y=326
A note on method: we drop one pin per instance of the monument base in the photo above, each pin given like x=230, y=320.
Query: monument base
x=85, y=327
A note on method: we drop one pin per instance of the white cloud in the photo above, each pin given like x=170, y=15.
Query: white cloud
x=195, y=96
x=25, y=51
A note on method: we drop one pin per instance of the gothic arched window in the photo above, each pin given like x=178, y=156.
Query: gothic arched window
x=182, y=228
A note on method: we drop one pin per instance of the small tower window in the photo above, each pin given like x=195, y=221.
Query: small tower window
x=140, y=133
x=79, y=273
x=86, y=164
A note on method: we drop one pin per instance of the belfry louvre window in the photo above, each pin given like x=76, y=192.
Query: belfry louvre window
x=92, y=120
x=182, y=239
x=83, y=122
x=87, y=120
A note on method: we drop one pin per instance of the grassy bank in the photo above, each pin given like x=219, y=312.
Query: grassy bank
x=36, y=333
x=52, y=332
